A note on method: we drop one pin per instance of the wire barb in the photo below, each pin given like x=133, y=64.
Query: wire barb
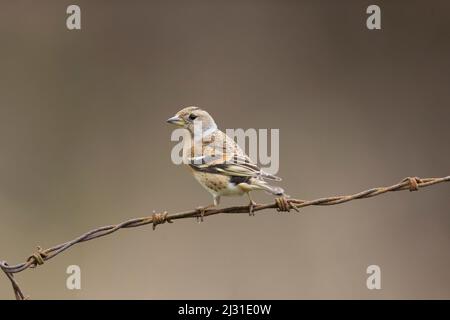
x=280, y=204
x=160, y=218
x=37, y=258
x=284, y=205
x=413, y=183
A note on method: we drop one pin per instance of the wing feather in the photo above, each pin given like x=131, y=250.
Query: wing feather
x=225, y=157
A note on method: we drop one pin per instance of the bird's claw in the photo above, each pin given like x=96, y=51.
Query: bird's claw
x=251, y=208
x=201, y=211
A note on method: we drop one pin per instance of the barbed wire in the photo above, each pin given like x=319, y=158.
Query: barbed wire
x=281, y=204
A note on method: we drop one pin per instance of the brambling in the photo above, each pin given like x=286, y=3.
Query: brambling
x=216, y=160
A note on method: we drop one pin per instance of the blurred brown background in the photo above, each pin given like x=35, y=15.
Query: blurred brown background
x=84, y=143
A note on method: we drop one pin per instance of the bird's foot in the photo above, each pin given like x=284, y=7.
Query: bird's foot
x=251, y=208
x=201, y=211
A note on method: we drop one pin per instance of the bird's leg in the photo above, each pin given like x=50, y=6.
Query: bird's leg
x=251, y=205
x=202, y=210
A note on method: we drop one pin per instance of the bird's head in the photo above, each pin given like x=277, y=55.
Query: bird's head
x=193, y=117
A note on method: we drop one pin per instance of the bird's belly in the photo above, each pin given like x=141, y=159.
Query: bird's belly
x=232, y=190
x=218, y=184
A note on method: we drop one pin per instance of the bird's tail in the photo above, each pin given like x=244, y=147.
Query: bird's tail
x=268, y=188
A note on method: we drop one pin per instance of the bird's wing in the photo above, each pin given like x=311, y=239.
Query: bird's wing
x=239, y=169
x=224, y=156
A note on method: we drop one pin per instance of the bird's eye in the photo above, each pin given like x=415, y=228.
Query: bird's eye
x=192, y=116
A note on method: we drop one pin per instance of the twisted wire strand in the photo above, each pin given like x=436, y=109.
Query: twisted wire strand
x=281, y=204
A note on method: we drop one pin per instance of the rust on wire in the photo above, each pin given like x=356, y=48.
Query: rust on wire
x=37, y=258
x=281, y=204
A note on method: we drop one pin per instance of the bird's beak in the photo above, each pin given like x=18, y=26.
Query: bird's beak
x=176, y=120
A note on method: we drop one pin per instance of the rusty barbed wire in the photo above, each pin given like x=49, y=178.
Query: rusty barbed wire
x=281, y=204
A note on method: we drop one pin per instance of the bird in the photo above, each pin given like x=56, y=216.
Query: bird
x=217, y=162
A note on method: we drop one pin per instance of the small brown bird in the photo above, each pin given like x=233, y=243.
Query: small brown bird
x=217, y=161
